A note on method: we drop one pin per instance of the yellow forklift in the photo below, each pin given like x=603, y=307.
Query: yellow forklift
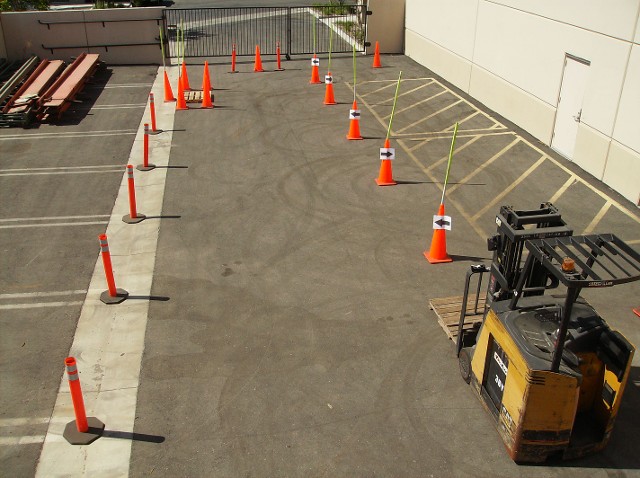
x=542, y=361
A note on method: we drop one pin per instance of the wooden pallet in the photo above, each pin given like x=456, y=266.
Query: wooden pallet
x=448, y=311
x=193, y=96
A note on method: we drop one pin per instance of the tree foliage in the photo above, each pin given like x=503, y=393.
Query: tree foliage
x=23, y=5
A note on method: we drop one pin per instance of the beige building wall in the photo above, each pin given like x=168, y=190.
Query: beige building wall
x=510, y=54
x=121, y=35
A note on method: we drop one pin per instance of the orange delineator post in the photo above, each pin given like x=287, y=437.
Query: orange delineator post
x=315, y=74
x=106, y=262
x=279, y=68
x=385, y=176
x=437, y=253
x=168, y=92
x=132, y=193
x=152, y=109
x=354, y=123
x=376, y=57
x=76, y=395
x=257, y=66
x=145, y=143
x=233, y=59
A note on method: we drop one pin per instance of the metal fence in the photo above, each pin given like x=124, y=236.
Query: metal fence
x=211, y=32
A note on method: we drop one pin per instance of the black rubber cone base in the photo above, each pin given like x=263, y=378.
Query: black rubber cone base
x=148, y=167
x=121, y=296
x=129, y=220
x=73, y=436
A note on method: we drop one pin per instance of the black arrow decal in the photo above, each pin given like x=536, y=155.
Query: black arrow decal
x=388, y=154
x=442, y=222
x=329, y=79
x=355, y=114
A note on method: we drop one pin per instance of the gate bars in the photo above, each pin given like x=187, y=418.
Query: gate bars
x=212, y=32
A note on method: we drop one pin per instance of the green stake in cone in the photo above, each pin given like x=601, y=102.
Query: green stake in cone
x=438, y=251
x=387, y=154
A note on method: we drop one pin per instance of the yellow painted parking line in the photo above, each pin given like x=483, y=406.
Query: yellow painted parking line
x=424, y=138
x=484, y=165
x=568, y=183
x=442, y=110
x=499, y=128
x=598, y=217
x=498, y=198
x=394, y=83
x=461, y=122
x=413, y=105
x=615, y=203
x=438, y=183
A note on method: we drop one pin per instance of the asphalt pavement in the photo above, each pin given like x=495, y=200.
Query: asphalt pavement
x=287, y=329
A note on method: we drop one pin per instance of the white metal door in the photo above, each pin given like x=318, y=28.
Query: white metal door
x=574, y=82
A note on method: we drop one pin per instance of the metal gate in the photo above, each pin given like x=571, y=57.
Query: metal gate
x=212, y=32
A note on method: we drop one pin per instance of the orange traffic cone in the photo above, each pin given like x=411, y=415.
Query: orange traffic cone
x=329, y=99
x=315, y=75
x=184, y=77
x=258, y=64
x=206, y=77
x=206, y=88
x=168, y=92
x=385, y=177
x=354, y=123
x=438, y=251
x=637, y=311
x=376, y=57
x=181, y=104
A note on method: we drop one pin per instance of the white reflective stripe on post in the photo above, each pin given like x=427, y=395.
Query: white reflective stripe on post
x=104, y=245
x=130, y=171
x=72, y=372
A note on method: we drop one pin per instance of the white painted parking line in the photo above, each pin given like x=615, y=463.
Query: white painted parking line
x=53, y=218
x=40, y=305
x=122, y=85
x=21, y=440
x=54, y=224
x=118, y=107
x=56, y=173
x=71, y=134
x=61, y=168
x=25, y=295
x=20, y=422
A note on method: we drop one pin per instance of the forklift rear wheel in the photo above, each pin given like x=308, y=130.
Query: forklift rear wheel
x=464, y=360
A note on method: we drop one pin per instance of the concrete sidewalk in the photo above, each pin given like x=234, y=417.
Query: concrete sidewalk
x=297, y=340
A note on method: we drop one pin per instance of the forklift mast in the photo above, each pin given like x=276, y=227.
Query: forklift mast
x=514, y=228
